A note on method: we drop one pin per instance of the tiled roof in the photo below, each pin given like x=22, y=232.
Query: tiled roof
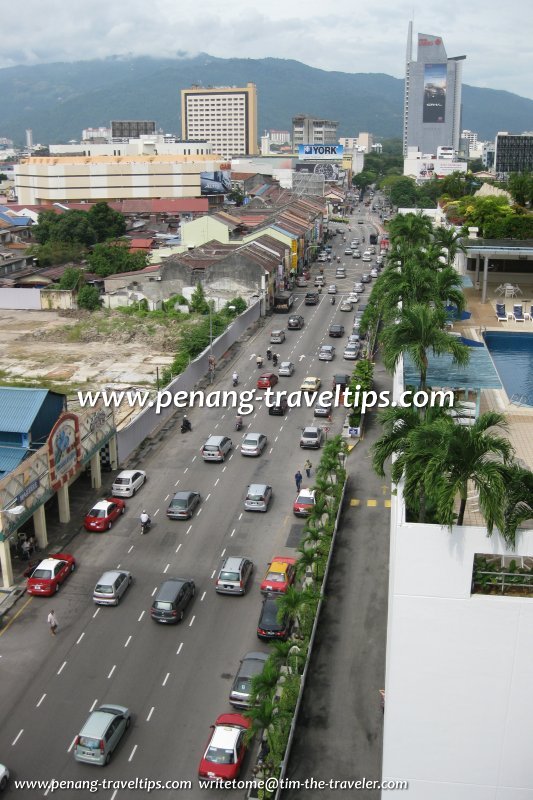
x=141, y=244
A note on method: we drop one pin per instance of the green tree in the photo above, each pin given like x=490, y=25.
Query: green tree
x=109, y=259
x=46, y=223
x=418, y=332
x=72, y=278
x=53, y=253
x=89, y=298
x=74, y=226
x=106, y=222
x=449, y=240
x=518, y=499
x=198, y=302
x=413, y=230
x=364, y=179
x=264, y=684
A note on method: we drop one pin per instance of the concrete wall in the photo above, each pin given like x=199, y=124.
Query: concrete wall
x=52, y=299
x=204, y=229
x=20, y=298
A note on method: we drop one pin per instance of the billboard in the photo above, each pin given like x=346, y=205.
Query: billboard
x=434, y=103
x=331, y=172
x=321, y=151
x=217, y=182
x=438, y=168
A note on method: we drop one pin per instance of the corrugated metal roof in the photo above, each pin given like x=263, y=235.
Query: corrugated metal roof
x=10, y=457
x=19, y=407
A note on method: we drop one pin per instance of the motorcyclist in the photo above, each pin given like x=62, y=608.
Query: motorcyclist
x=238, y=422
x=235, y=378
x=186, y=425
x=145, y=521
x=269, y=353
x=259, y=361
x=275, y=359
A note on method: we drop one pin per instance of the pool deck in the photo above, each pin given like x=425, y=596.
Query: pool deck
x=519, y=417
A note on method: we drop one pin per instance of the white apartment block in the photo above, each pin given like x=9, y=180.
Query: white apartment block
x=146, y=145
x=225, y=116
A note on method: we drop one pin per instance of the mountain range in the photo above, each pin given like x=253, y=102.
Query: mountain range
x=58, y=100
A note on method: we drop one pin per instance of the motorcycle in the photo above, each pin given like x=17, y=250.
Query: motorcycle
x=332, y=301
x=235, y=381
x=186, y=426
x=269, y=355
x=145, y=526
x=275, y=360
x=259, y=362
x=238, y=424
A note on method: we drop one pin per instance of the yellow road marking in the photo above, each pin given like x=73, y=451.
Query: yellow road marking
x=11, y=621
x=371, y=503
x=387, y=503
x=354, y=502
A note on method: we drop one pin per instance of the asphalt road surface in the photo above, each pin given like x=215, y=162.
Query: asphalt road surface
x=175, y=679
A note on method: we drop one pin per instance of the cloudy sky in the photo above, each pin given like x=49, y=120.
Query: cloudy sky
x=351, y=36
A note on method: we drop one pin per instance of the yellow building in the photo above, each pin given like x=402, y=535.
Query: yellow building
x=224, y=116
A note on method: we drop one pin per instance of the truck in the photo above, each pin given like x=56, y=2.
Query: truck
x=373, y=238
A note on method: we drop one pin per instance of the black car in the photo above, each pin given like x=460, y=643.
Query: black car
x=268, y=627
x=278, y=409
x=342, y=380
x=295, y=322
x=311, y=299
x=172, y=599
x=336, y=331
x=183, y=504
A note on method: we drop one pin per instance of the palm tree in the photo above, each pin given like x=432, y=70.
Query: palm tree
x=449, y=239
x=306, y=561
x=279, y=652
x=455, y=455
x=419, y=331
x=518, y=499
x=292, y=603
x=413, y=230
x=264, y=684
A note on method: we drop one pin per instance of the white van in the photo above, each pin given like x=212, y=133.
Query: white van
x=367, y=256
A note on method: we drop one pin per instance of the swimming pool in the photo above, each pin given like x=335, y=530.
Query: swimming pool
x=512, y=354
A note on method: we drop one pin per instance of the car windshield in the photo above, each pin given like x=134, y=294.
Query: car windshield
x=90, y=744
x=243, y=686
x=119, y=481
x=103, y=588
x=42, y=574
x=255, y=496
x=229, y=576
x=305, y=500
x=310, y=434
x=98, y=512
x=179, y=503
x=250, y=442
x=219, y=755
x=162, y=605
x=275, y=577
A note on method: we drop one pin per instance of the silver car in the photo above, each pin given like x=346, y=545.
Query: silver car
x=111, y=586
x=359, y=288
x=286, y=369
x=351, y=351
x=311, y=437
x=101, y=733
x=258, y=497
x=251, y=665
x=253, y=444
x=326, y=353
x=234, y=575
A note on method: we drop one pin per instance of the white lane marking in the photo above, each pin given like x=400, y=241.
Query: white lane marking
x=132, y=753
x=96, y=612
x=93, y=705
x=240, y=515
x=276, y=439
x=185, y=470
x=213, y=574
x=177, y=482
x=178, y=651
x=222, y=553
x=178, y=547
x=194, y=459
x=80, y=638
x=281, y=429
x=166, y=569
x=202, y=597
x=192, y=620
x=113, y=668
x=156, y=513
x=155, y=590
x=199, y=512
x=72, y=744
x=61, y=668
x=142, y=614
x=131, y=548
x=270, y=451
x=222, y=417
x=166, y=498
x=208, y=496
x=128, y=640
x=231, y=456
x=41, y=700
x=224, y=469
x=114, y=794
x=17, y=737
x=216, y=482
x=216, y=426
x=255, y=415
x=149, y=717
x=167, y=676
x=233, y=531
x=189, y=529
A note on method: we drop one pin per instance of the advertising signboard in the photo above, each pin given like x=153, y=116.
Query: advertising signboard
x=434, y=103
x=331, y=172
x=217, y=182
x=321, y=151
x=437, y=168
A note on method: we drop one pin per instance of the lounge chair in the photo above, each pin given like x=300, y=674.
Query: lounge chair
x=529, y=314
x=518, y=313
x=501, y=313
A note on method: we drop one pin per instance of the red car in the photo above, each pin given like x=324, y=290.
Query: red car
x=304, y=503
x=267, y=380
x=280, y=574
x=46, y=578
x=103, y=514
x=225, y=749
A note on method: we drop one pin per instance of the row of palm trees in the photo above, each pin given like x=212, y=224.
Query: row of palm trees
x=438, y=459
x=275, y=691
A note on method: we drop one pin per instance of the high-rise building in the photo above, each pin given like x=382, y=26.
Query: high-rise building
x=432, y=104
x=131, y=128
x=279, y=137
x=513, y=152
x=225, y=116
x=311, y=130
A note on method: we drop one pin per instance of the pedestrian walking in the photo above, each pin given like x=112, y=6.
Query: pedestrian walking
x=307, y=467
x=52, y=622
x=298, y=479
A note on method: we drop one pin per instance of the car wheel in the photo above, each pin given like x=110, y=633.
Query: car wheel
x=130, y=579
x=72, y=567
x=128, y=722
x=109, y=526
x=57, y=588
x=134, y=492
x=3, y=783
x=193, y=592
x=182, y=614
x=107, y=759
x=123, y=510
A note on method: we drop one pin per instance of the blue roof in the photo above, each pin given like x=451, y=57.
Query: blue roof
x=10, y=458
x=479, y=373
x=20, y=221
x=19, y=407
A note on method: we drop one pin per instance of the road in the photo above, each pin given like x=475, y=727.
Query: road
x=175, y=679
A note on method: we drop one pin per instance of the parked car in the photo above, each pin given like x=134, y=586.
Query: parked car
x=277, y=337
x=336, y=331
x=171, y=601
x=323, y=408
x=267, y=380
x=278, y=407
x=241, y=691
x=304, y=502
x=101, y=734
x=225, y=749
x=216, y=448
x=111, y=586
x=351, y=351
x=183, y=505
x=269, y=627
x=45, y=579
x=326, y=352
x=310, y=385
x=258, y=497
x=311, y=437
x=342, y=380
x=103, y=514
x=295, y=322
x=234, y=575
x=253, y=444
x=128, y=482
x=286, y=369
x=279, y=576
x=365, y=277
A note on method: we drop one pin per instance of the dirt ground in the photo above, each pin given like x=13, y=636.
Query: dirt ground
x=83, y=350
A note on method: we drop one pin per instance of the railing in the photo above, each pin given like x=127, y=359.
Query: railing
x=486, y=582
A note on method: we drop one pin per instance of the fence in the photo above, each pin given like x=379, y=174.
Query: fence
x=149, y=419
x=20, y=298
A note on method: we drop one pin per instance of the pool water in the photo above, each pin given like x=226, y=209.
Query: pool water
x=512, y=354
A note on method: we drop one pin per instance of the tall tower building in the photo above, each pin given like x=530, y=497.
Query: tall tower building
x=225, y=116
x=311, y=130
x=432, y=102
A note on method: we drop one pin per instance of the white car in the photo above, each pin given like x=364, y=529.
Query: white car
x=128, y=482
x=367, y=256
x=346, y=305
x=359, y=288
x=332, y=289
x=253, y=444
x=351, y=351
x=286, y=369
x=311, y=437
x=4, y=777
x=353, y=298
x=348, y=251
x=326, y=353
x=356, y=254
x=374, y=273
